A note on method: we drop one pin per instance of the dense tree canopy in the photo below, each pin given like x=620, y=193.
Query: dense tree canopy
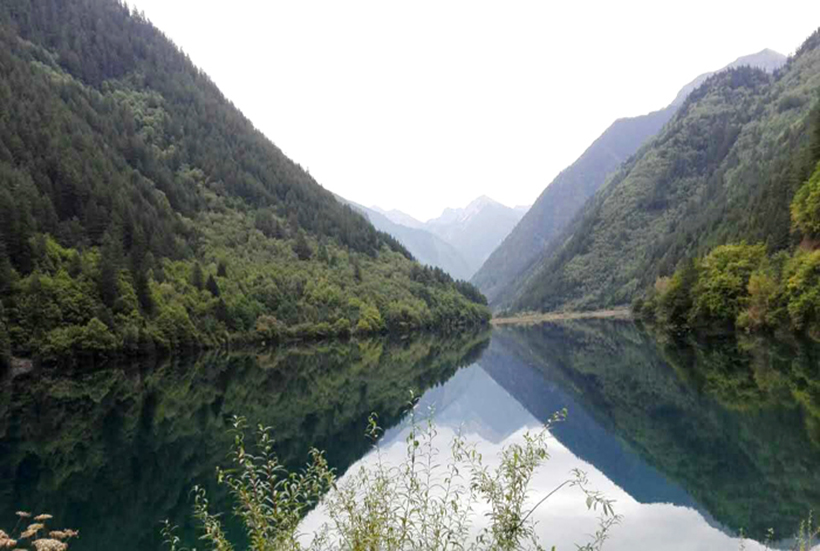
x=723, y=170
x=740, y=285
x=129, y=187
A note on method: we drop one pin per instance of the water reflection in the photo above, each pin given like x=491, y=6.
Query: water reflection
x=113, y=451
x=694, y=440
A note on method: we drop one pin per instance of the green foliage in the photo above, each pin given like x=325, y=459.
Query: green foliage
x=5, y=340
x=722, y=286
x=805, y=207
x=129, y=184
x=761, y=310
x=505, y=271
x=425, y=503
x=802, y=289
x=740, y=285
x=731, y=420
x=301, y=247
x=197, y=278
x=725, y=169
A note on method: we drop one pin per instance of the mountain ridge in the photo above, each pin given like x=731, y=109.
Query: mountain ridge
x=472, y=231
x=504, y=272
x=425, y=246
x=724, y=169
x=140, y=210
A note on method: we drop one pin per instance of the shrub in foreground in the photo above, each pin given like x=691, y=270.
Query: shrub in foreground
x=425, y=503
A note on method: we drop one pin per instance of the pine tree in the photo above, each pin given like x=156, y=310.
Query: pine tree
x=5, y=341
x=322, y=254
x=110, y=263
x=213, y=286
x=301, y=247
x=197, y=277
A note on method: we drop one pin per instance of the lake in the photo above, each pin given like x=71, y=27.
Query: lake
x=693, y=440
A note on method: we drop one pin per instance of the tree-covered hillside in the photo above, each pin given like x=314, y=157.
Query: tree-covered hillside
x=505, y=272
x=724, y=169
x=139, y=208
x=501, y=273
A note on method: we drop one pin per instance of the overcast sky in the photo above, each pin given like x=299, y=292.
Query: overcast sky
x=419, y=105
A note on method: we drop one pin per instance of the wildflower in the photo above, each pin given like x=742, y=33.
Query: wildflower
x=43, y=517
x=36, y=527
x=49, y=545
x=27, y=534
x=6, y=541
x=22, y=514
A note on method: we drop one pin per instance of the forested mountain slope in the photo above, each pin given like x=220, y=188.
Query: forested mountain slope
x=766, y=59
x=561, y=200
x=140, y=208
x=724, y=169
x=502, y=275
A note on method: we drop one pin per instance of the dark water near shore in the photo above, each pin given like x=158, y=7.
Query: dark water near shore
x=693, y=440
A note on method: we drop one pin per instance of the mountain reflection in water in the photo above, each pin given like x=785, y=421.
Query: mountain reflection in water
x=693, y=440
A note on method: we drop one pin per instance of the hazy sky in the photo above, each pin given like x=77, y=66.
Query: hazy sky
x=426, y=104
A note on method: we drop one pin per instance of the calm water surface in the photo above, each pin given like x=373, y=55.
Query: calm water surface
x=693, y=440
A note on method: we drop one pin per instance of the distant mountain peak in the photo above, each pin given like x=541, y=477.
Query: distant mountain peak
x=766, y=59
x=398, y=217
x=482, y=200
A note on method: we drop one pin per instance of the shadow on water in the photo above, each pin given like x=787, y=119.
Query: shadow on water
x=113, y=451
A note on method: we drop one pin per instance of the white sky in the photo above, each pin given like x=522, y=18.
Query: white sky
x=427, y=104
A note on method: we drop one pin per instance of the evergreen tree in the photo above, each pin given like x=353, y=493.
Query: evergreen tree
x=142, y=287
x=5, y=341
x=124, y=171
x=110, y=263
x=221, y=313
x=197, y=277
x=301, y=247
x=213, y=286
x=322, y=254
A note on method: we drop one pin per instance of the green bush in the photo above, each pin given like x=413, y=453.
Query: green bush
x=721, y=291
x=805, y=207
x=426, y=503
x=93, y=338
x=802, y=289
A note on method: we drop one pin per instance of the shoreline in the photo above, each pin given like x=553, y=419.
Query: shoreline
x=536, y=318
